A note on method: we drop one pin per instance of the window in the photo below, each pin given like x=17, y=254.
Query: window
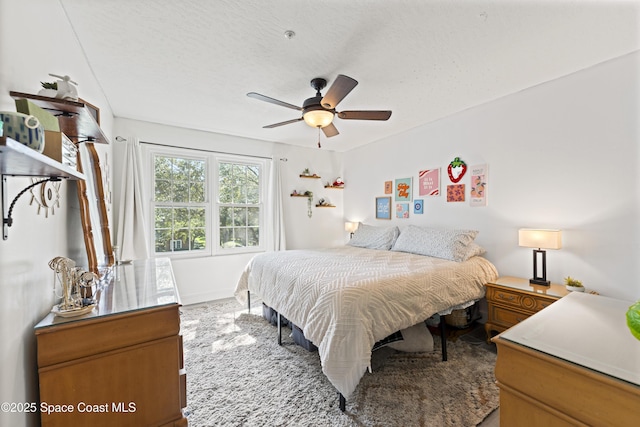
x=180, y=208
x=206, y=204
x=239, y=204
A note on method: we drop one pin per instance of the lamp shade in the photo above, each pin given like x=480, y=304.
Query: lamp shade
x=317, y=117
x=351, y=227
x=542, y=239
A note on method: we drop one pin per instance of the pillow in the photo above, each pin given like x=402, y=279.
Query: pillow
x=435, y=242
x=473, y=249
x=372, y=237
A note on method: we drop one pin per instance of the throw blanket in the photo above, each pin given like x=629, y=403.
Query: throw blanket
x=346, y=299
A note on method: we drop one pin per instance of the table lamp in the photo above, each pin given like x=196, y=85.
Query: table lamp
x=351, y=227
x=540, y=239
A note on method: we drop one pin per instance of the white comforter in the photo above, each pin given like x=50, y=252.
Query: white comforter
x=346, y=299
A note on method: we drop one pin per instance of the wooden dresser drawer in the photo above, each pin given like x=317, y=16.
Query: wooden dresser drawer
x=505, y=317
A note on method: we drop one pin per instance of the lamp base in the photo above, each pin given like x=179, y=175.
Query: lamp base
x=540, y=282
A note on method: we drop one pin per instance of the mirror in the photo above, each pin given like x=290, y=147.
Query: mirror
x=93, y=210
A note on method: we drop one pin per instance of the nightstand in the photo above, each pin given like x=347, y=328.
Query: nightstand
x=510, y=300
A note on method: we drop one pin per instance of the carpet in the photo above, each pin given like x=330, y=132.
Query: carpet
x=237, y=375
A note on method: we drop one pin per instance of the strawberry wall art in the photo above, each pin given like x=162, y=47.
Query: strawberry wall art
x=456, y=170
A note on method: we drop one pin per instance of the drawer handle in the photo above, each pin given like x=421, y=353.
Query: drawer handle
x=503, y=296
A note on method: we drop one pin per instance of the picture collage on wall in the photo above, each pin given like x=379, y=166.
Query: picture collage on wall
x=428, y=186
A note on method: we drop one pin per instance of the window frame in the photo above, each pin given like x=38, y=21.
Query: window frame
x=246, y=161
x=211, y=202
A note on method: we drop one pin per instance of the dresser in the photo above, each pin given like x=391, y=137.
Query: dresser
x=573, y=364
x=510, y=300
x=121, y=364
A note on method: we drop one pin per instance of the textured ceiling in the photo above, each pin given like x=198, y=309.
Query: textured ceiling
x=191, y=63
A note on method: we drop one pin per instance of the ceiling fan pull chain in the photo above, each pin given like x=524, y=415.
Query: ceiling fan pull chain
x=319, y=146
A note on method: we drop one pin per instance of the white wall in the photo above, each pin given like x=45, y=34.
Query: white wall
x=35, y=39
x=207, y=278
x=563, y=154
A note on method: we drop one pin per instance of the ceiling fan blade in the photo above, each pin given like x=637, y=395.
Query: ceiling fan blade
x=365, y=115
x=275, y=125
x=273, y=101
x=330, y=130
x=338, y=90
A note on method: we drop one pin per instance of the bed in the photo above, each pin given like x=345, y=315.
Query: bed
x=345, y=299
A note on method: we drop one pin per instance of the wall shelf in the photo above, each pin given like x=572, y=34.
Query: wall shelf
x=325, y=206
x=336, y=187
x=310, y=176
x=17, y=159
x=79, y=120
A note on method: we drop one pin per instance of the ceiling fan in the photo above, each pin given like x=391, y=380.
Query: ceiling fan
x=318, y=111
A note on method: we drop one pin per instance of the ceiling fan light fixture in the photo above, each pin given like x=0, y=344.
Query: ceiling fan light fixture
x=318, y=117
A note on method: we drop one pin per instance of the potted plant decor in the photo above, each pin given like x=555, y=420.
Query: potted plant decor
x=633, y=319
x=573, y=284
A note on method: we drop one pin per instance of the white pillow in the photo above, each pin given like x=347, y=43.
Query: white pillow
x=435, y=242
x=473, y=249
x=372, y=237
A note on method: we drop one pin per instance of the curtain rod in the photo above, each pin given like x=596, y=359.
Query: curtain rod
x=201, y=149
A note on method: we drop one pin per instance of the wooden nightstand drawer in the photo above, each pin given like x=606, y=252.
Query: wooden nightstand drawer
x=505, y=317
x=517, y=299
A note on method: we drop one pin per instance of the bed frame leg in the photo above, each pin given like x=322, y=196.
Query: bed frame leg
x=279, y=329
x=443, y=338
x=249, y=302
x=342, y=402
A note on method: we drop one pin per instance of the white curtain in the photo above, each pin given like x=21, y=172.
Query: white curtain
x=275, y=222
x=131, y=228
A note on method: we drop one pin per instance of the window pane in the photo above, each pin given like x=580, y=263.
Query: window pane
x=162, y=168
x=180, y=218
x=163, y=191
x=163, y=217
x=253, y=236
x=197, y=218
x=240, y=236
x=253, y=217
x=239, y=216
x=180, y=191
x=226, y=219
x=226, y=238
x=181, y=240
x=197, y=171
x=196, y=193
x=199, y=240
x=163, y=240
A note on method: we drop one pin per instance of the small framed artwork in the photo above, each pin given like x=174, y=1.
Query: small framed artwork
x=418, y=206
x=455, y=193
x=388, y=187
x=383, y=207
x=403, y=190
x=479, y=184
x=429, y=182
x=402, y=210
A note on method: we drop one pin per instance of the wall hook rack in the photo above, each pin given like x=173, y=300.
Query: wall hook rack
x=7, y=220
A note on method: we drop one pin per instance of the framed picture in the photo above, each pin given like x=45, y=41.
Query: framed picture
x=383, y=207
x=388, y=187
x=403, y=189
x=418, y=206
x=429, y=182
x=402, y=210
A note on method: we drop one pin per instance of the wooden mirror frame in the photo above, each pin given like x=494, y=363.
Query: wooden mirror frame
x=95, y=219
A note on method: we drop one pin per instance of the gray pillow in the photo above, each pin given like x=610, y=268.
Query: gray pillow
x=372, y=237
x=435, y=242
